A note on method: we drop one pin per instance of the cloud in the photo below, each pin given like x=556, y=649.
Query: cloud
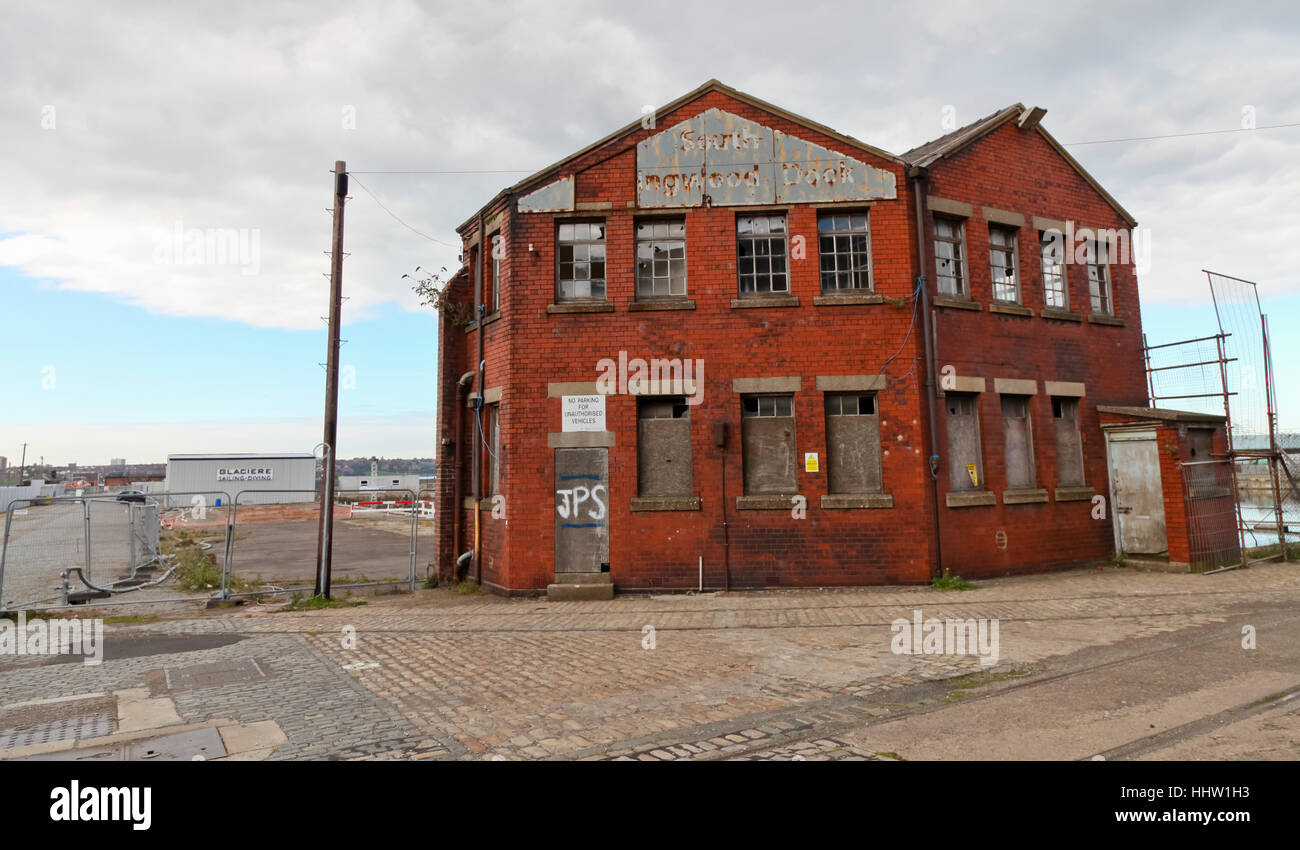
x=124, y=123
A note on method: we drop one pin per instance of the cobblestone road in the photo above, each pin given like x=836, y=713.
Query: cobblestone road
x=774, y=675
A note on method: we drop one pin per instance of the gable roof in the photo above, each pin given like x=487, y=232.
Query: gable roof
x=710, y=86
x=923, y=156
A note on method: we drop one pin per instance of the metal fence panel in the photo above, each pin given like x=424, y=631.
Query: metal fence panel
x=42, y=538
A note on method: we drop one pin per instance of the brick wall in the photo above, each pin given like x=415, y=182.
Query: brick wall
x=1019, y=172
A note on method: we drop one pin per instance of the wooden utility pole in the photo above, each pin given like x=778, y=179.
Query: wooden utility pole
x=325, y=542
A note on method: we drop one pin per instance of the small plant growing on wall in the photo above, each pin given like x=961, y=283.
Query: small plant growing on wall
x=432, y=292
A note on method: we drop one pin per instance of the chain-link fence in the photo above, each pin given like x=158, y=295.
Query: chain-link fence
x=1212, y=532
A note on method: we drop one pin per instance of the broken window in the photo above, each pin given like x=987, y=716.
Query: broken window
x=1018, y=442
x=761, y=254
x=767, y=443
x=663, y=455
x=1002, y=264
x=844, y=242
x=852, y=443
x=661, y=258
x=950, y=256
x=1099, y=281
x=1069, y=445
x=965, y=471
x=1055, y=292
x=581, y=261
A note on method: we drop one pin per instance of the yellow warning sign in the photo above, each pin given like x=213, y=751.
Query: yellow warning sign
x=974, y=475
x=810, y=462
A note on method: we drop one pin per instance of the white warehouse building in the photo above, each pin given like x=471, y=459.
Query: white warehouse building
x=263, y=479
x=380, y=483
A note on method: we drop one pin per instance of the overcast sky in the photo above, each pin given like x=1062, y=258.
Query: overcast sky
x=124, y=123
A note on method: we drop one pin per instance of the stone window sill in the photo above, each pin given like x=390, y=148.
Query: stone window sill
x=956, y=303
x=970, y=498
x=849, y=501
x=766, y=503
x=1024, y=497
x=1060, y=315
x=661, y=304
x=487, y=320
x=580, y=307
x=1011, y=309
x=765, y=301
x=832, y=299
x=1106, y=320
x=1074, y=494
x=665, y=503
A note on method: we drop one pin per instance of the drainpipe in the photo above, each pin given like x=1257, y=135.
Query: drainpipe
x=459, y=449
x=479, y=315
x=923, y=292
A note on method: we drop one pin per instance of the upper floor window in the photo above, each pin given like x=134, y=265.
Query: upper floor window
x=1055, y=292
x=761, y=254
x=844, y=242
x=950, y=256
x=661, y=258
x=581, y=260
x=1099, y=281
x=498, y=249
x=1002, y=264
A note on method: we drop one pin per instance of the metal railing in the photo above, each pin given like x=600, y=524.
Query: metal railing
x=65, y=550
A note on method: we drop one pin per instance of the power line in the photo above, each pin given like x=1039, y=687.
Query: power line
x=395, y=216
x=454, y=171
x=1182, y=135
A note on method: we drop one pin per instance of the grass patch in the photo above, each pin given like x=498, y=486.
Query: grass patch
x=893, y=756
x=1116, y=560
x=196, y=569
x=962, y=685
x=948, y=581
x=466, y=588
x=317, y=603
x=131, y=619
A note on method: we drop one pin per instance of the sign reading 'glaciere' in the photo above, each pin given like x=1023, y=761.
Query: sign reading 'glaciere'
x=244, y=473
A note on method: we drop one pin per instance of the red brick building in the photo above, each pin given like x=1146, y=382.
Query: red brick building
x=720, y=346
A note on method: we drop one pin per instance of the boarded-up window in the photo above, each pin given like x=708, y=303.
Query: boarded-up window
x=1069, y=446
x=663, y=450
x=852, y=443
x=1018, y=441
x=767, y=438
x=965, y=471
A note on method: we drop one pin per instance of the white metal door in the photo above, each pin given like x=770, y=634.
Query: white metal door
x=1136, y=494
